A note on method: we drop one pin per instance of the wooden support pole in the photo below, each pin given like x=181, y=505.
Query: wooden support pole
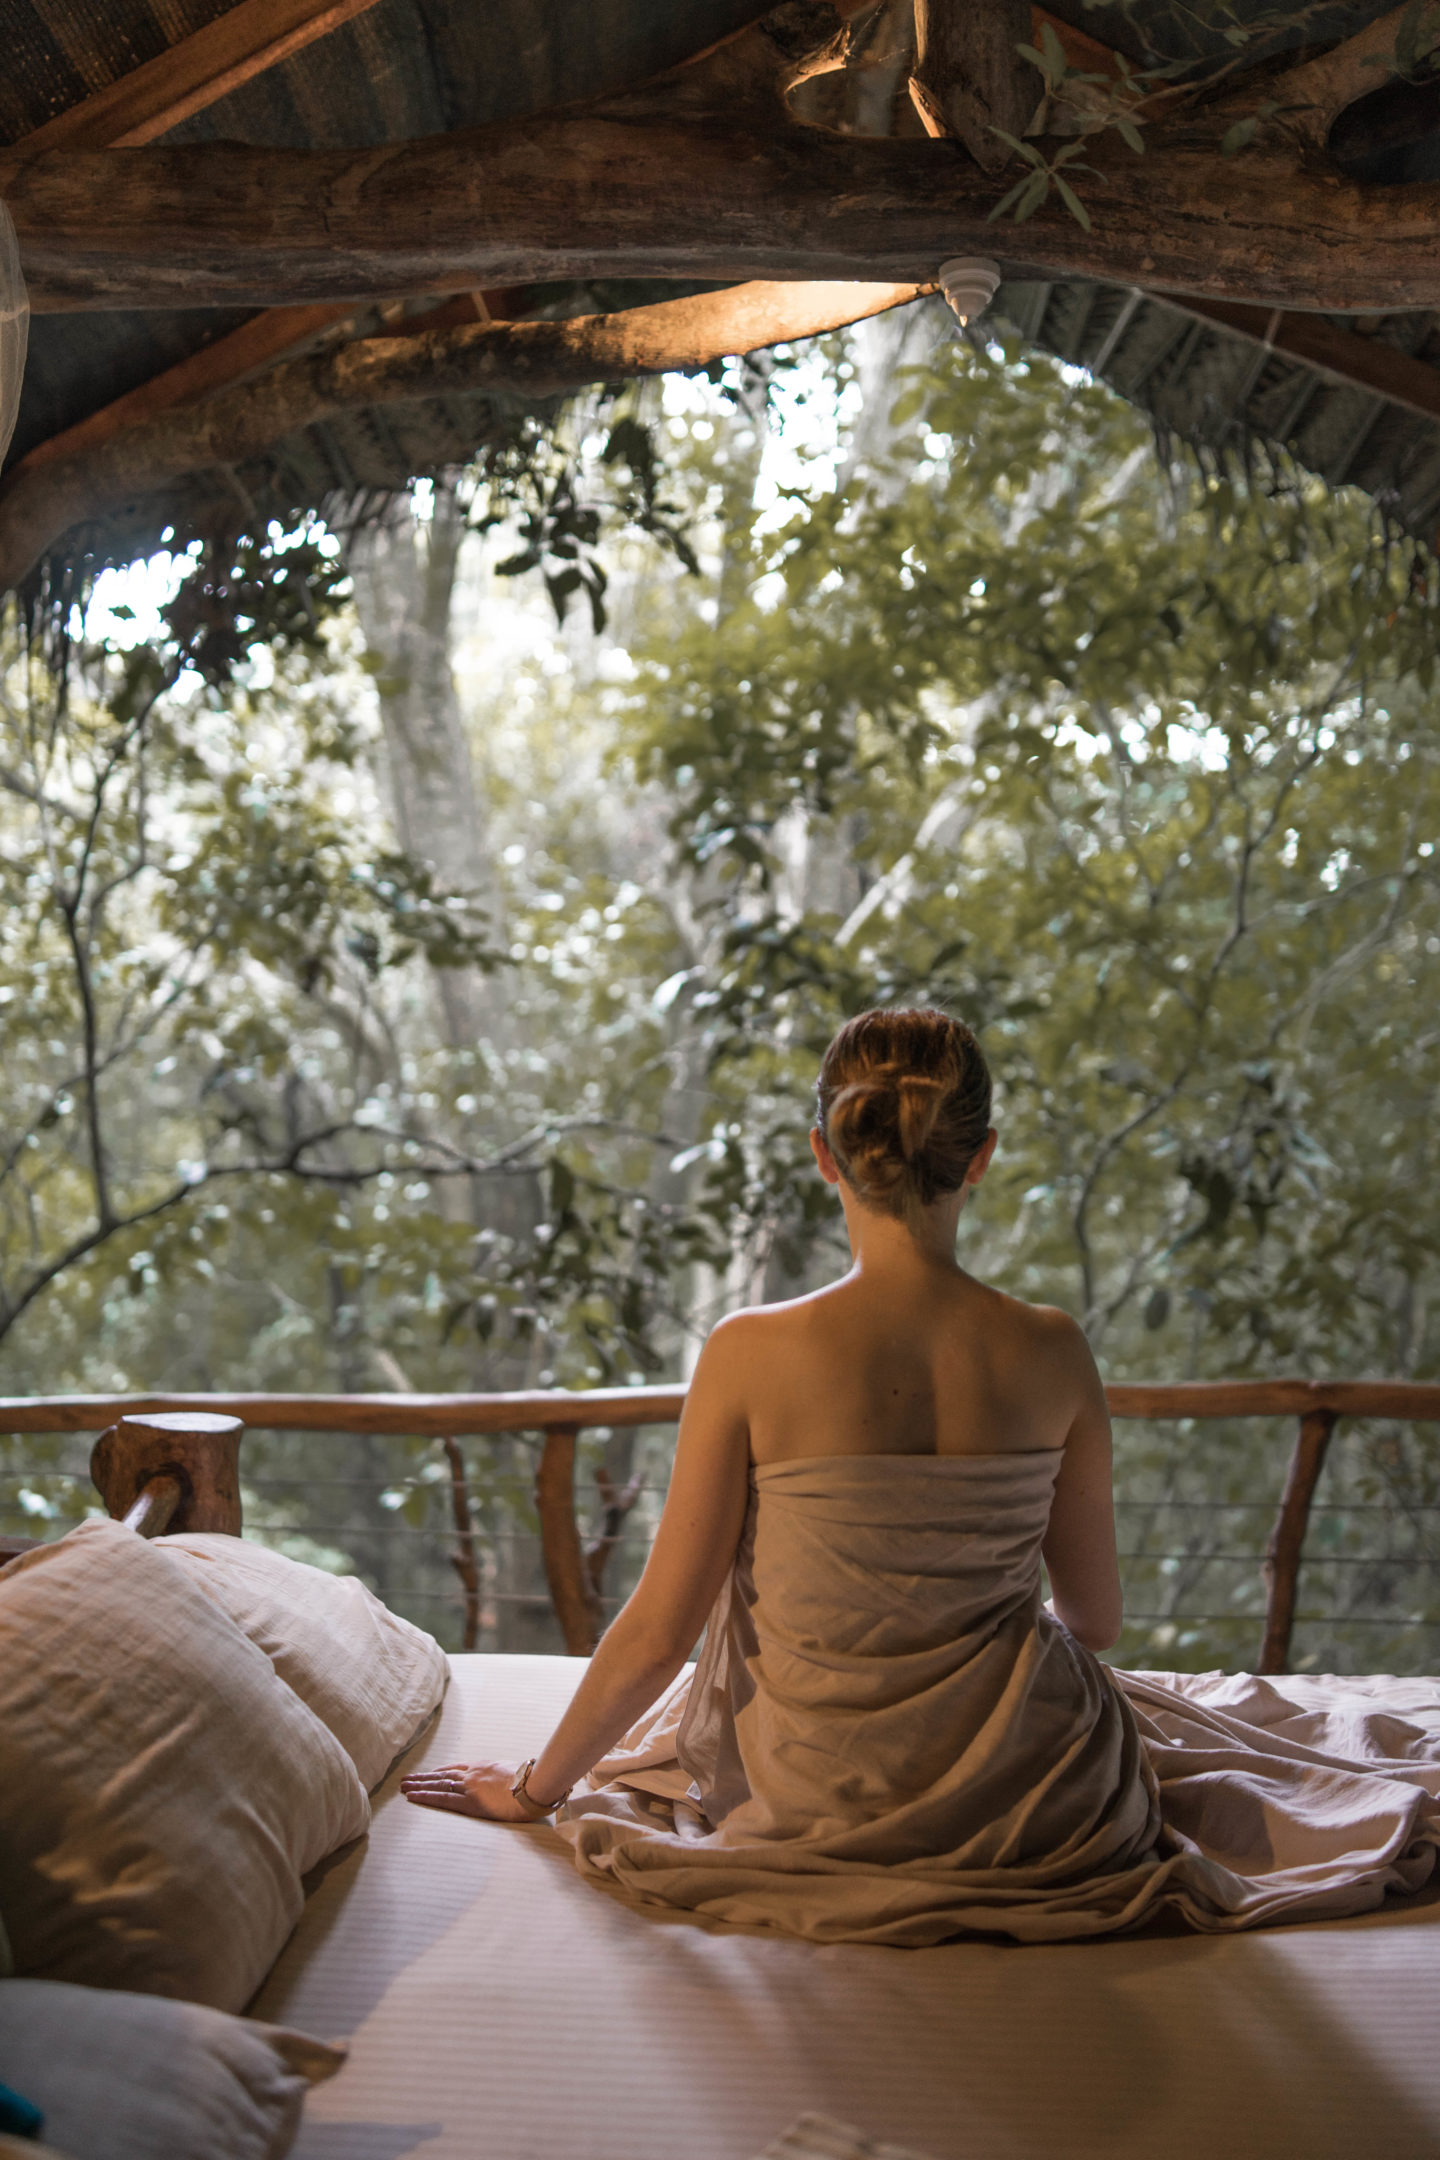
x=1287, y=1539
x=576, y=1606
x=193, y=1449
x=277, y=334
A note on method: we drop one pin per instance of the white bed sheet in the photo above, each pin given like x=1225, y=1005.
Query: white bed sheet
x=499, y=2008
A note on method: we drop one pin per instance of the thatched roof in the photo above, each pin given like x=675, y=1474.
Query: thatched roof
x=398, y=71
x=404, y=69
x=1224, y=393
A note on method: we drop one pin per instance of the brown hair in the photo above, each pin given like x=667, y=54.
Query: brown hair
x=904, y=1105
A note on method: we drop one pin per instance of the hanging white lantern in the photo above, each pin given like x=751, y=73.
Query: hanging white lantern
x=969, y=283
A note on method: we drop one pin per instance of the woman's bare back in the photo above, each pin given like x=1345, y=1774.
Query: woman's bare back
x=923, y=1361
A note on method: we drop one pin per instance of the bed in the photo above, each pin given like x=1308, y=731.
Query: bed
x=496, y=2005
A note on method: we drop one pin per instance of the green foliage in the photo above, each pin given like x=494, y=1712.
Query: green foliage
x=1181, y=753
x=537, y=486
x=176, y=902
x=1138, y=773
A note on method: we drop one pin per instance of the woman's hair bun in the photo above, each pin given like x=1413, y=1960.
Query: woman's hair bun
x=904, y=1103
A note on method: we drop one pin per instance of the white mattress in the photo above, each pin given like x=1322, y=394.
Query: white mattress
x=498, y=2008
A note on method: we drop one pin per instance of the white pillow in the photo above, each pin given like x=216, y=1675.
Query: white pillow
x=162, y=1792
x=368, y=1675
x=132, y=2077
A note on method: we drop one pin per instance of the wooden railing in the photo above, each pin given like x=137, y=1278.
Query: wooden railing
x=559, y=1417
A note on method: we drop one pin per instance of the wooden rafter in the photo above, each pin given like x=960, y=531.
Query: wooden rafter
x=1368, y=363
x=274, y=335
x=704, y=173
x=195, y=72
x=41, y=501
x=255, y=346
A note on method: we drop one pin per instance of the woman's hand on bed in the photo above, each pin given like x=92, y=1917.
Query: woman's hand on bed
x=481, y=1789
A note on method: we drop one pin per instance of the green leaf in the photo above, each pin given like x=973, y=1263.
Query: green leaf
x=1012, y=196
x=1026, y=150
x=1072, y=203
x=1054, y=61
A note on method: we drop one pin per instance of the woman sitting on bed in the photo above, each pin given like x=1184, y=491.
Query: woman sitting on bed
x=888, y=1736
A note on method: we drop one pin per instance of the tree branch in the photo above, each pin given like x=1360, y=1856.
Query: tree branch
x=535, y=360
x=1312, y=96
x=969, y=80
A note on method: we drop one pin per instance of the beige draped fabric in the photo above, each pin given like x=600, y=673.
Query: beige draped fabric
x=887, y=1739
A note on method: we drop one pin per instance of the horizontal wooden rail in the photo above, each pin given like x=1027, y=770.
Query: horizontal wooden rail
x=406, y=1415
x=552, y=1408
x=560, y=1415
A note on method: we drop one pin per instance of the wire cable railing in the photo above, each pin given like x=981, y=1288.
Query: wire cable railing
x=575, y=1561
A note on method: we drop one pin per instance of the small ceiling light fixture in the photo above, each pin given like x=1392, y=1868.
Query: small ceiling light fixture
x=969, y=283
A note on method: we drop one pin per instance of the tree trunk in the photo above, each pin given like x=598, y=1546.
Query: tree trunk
x=405, y=572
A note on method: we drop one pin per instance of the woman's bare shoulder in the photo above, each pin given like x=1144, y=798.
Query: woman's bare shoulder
x=750, y=1324
x=754, y=1334
x=1044, y=1331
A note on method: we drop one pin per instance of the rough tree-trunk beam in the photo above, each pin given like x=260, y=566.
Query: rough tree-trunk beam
x=224, y=223
x=1368, y=362
x=198, y=71
x=532, y=360
x=969, y=78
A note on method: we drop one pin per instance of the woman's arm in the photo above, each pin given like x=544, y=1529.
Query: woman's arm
x=1079, y=1547
x=650, y=1639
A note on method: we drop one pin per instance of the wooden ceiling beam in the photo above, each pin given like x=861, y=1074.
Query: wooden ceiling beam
x=225, y=224
x=704, y=174
x=196, y=72
x=40, y=501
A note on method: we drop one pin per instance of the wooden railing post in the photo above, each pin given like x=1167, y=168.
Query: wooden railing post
x=171, y=1470
x=1287, y=1539
x=577, y=1608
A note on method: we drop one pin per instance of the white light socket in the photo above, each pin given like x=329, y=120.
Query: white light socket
x=969, y=283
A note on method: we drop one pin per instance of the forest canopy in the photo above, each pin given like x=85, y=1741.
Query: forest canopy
x=410, y=976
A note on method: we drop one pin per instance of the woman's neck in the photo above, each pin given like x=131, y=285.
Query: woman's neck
x=890, y=1245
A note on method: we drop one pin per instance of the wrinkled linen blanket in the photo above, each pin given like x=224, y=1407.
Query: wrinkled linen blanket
x=888, y=1739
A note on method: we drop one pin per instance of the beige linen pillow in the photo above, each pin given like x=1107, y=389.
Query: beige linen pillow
x=161, y=1791
x=133, y=2077
x=368, y=1675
